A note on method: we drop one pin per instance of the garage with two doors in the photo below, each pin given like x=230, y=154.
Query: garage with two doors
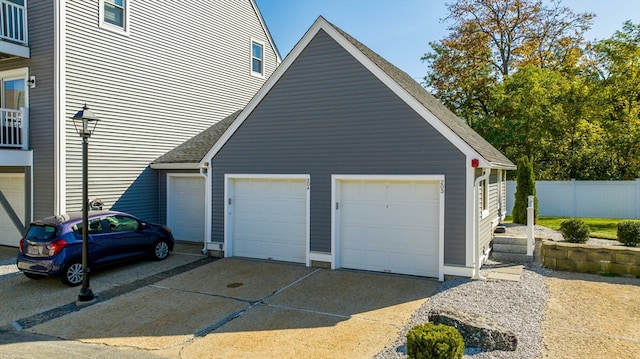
x=391, y=224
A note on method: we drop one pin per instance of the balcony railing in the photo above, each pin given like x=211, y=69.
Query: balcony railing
x=14, y=131
x=13, y=22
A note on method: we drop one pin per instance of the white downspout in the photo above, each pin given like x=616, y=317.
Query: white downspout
x=205, y=172
x=476, y=220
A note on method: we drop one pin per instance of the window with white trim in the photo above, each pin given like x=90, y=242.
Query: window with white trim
x=257, y=58
x=114, y=15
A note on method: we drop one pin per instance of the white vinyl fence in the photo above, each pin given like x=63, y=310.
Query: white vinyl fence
x=604, y=199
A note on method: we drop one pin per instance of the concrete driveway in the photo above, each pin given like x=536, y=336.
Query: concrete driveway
x=228, y=308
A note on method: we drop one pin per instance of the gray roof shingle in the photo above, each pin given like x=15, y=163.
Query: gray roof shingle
x=194, y=149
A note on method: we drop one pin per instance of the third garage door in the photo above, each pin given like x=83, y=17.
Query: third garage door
x=389, y=226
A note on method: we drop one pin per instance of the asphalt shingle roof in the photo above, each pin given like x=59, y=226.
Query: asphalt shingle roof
x=194, y=149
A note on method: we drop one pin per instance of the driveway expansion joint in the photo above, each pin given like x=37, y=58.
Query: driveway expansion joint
x=39, y=318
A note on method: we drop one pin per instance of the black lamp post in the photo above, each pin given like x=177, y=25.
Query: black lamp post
x=85, y=123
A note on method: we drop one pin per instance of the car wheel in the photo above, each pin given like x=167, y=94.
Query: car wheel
x=72, y=274
x=160, y=250
x=33, y=276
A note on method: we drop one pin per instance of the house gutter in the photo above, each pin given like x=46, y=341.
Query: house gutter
x=204, y=172
x=476, y=218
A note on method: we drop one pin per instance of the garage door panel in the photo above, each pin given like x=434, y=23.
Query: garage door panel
x=12, y=187
x=186, y=207
x=390, y=226
x=269, y=218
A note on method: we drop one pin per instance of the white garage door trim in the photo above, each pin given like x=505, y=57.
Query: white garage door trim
x=335, y=214
x=228, y=207
x=171, y=178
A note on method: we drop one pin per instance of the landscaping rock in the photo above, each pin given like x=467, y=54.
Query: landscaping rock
x=477, y=331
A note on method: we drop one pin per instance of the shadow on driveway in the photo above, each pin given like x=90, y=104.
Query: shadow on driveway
x=244, y=308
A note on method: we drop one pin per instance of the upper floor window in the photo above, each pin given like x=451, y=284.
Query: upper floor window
x=114, y=15
x=257, y=58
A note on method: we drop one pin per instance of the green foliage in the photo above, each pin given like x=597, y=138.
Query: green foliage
x=434, y=341
x=629, y=233
x=574, y=230
x=525, y=186
x=571, y=107
x=604, y=228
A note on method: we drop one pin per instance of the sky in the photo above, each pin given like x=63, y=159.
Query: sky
x=401, y=30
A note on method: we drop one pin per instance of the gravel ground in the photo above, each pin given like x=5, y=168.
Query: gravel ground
x=516, y=306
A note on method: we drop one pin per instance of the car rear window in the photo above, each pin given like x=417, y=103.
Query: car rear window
x=41, y=233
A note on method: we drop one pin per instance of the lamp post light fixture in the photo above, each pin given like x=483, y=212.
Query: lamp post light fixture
x=85, y=122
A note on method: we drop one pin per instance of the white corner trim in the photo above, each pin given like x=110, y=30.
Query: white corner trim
x=459, y=271
x=175, y=166
x=60, y=102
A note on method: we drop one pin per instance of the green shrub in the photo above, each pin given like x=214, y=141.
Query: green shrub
x=525, y=187
x=574, y=230
x=434, y=341
x=629, y=233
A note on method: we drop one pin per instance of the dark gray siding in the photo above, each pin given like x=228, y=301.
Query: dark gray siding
x=329, y=115
x=41, y=103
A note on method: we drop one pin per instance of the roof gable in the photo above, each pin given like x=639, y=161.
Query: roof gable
x=425, y=104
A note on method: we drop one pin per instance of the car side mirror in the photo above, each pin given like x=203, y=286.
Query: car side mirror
x=142, y=226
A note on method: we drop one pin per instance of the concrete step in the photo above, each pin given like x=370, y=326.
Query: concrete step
x=511, y=257
x=509, y=240
x=510, y=248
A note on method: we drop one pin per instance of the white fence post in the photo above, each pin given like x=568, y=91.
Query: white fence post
x=530, y=220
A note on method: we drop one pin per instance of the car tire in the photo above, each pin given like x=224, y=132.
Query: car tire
x=160, y=250
x=72, y=273
x=33, y=275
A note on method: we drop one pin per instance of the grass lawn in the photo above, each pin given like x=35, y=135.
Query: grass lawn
x=605, y=228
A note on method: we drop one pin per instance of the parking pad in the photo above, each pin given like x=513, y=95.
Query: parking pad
x=270, y=332
x=388, y=298
x=148, y=318
x=244, y=279
x=232, y=308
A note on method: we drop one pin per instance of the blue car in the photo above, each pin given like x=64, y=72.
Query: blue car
x=53, y=246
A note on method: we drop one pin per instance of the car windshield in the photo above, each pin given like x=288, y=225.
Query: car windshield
x=41, y=233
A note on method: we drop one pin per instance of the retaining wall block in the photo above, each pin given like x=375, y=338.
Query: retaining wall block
x=548, y=262
x=617, y=268
x=628, y=257
x=601, y=255
x=635, y=270
x=589, y=267
x=555, y=252
x=577, y=254
x=566, y=264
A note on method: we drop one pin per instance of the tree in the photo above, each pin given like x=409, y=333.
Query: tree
x=616, y=68
x=525, y=186
x=489, y=40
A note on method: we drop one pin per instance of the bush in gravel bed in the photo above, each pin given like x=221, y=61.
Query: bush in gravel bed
x=629, y=233
x=434, y=341
x=574, y=230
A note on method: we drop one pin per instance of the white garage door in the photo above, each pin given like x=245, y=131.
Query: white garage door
x=186, y=207
x=390, y=226
x=12, y=186
x=268, y=218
